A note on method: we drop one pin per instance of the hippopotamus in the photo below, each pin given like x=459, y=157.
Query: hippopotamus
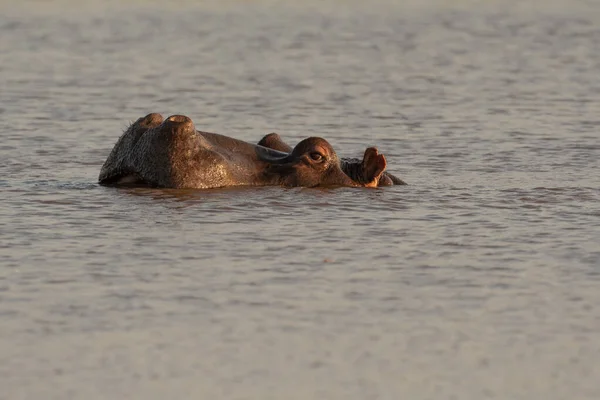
x=171, y=153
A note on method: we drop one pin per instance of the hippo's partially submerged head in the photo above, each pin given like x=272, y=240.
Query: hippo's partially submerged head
x=361, y=171
x=172, y=153
x=313, y=162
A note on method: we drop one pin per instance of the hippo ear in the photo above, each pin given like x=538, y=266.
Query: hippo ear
x=274, y=141
x=373, y=165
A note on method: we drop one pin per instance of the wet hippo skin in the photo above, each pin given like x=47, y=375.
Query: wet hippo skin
x=171, y=153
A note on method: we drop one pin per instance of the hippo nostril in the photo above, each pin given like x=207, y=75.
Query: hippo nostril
x=179, y=118
x=179, y=123
x=153, y=119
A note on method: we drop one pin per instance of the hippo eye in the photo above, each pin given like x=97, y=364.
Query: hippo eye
x=316, y=156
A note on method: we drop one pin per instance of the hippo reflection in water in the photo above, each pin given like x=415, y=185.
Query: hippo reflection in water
x=171, y=153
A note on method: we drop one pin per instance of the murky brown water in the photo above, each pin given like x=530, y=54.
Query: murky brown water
x=480, y=280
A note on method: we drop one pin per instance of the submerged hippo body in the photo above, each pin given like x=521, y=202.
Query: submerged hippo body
x=171, y=153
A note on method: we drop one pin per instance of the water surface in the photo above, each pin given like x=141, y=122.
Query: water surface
x=479, y=280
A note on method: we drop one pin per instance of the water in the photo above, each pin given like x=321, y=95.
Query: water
x=478, y=281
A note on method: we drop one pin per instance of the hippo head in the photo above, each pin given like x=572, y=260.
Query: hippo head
x=171, y=153
x=313, y=162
